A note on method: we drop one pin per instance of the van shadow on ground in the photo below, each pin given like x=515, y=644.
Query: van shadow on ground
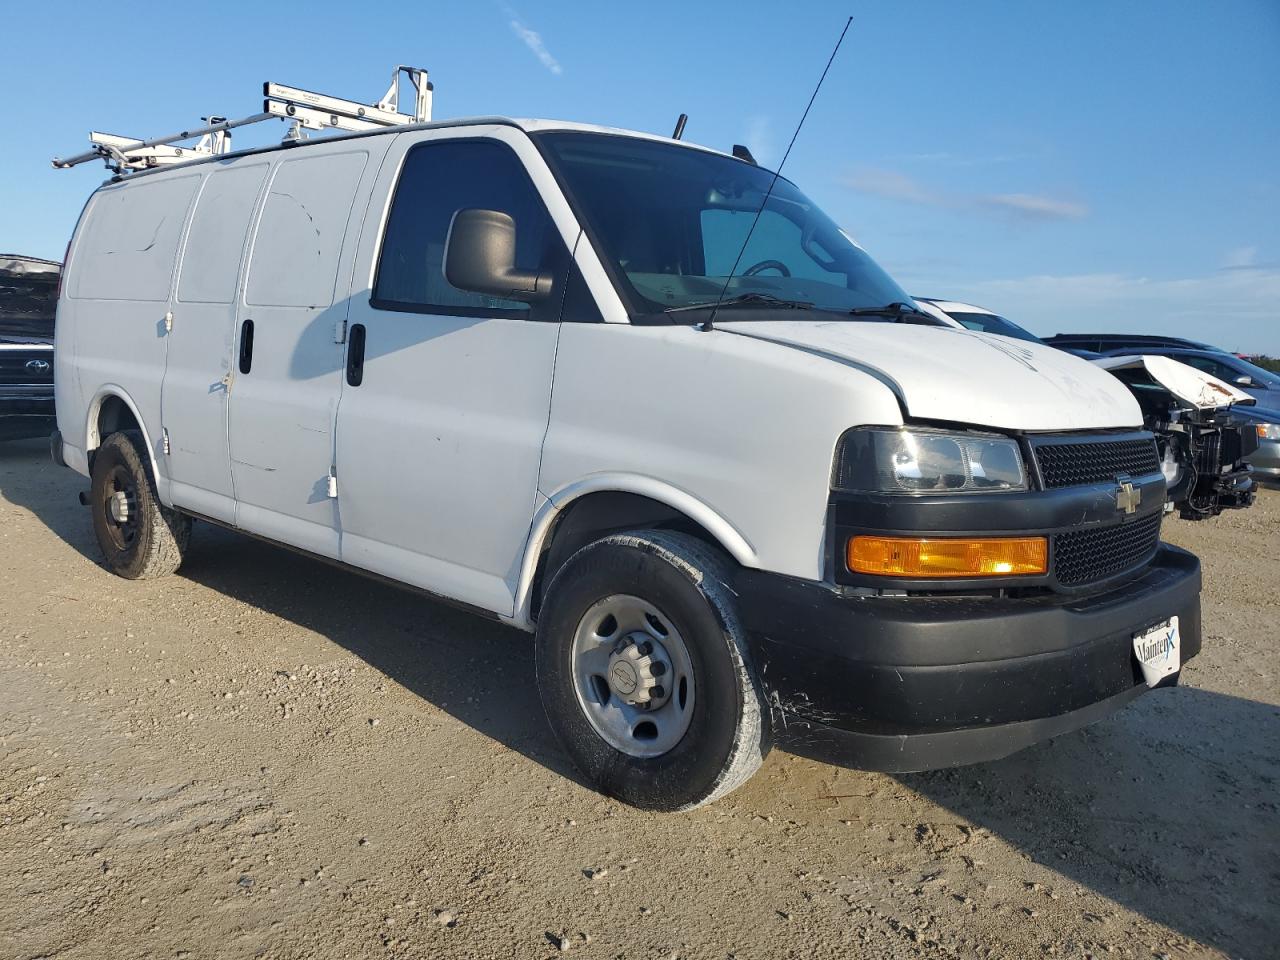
x=1169, y=809
x=477, y=670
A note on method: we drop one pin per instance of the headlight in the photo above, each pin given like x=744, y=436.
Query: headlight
x=1269, y=431
x=925, y=461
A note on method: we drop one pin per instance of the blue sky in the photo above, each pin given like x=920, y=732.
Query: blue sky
x=1075, y=166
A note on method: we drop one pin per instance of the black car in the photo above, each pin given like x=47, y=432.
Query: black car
x=28, y=296
x=1126, y=342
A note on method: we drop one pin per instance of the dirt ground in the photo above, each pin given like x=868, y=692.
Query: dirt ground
x=264, y=757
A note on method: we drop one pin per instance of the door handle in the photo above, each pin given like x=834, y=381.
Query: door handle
x=246, y=346
x=355, y=355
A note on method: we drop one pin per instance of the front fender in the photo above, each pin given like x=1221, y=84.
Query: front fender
x=550, y=507
x=741, y=431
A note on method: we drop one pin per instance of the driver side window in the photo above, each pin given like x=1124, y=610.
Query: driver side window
x=439, y=179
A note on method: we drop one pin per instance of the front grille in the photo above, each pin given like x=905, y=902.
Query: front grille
x=1087, y=556
x=1095, y=461
x=15, y=368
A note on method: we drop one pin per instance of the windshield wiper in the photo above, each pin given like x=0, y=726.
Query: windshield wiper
x=898, y=311
x=764, y=299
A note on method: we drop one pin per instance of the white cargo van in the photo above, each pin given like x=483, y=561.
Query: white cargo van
x=476, y=357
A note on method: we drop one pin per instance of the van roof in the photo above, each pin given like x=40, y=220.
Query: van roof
x=528, y=125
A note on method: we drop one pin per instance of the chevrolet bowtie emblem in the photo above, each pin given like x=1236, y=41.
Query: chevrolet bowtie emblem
x=1128, y=497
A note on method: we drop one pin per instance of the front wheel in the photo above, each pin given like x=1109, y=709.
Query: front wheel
x=645, y=674
x=140, y=538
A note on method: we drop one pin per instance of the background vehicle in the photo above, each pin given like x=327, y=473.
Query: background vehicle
x=513, y=364
x=1266, y=423
x=980, y=319
x=1111, y=342
x=1206, y=448
x=28, y=294
x=1261, y=384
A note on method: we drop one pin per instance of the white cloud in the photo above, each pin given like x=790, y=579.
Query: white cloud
x=896, y=185
x=1241, y=258
x=1033, y=206
x=533, y=40
x=947, y=158
x=892, y=184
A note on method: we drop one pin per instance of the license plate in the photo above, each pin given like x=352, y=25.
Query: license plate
x=1158, y=652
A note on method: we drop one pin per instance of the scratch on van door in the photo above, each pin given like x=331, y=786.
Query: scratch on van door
x=254, y=466
x=154, y=236
x=303, y=207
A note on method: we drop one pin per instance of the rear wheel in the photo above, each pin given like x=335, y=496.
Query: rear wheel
x=644, y=671
x=140, y=538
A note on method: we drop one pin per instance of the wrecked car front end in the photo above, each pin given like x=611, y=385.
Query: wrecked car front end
x=28, y=294
x=1205, y=441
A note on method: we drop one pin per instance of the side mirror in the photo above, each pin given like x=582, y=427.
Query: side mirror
x=480, y=257
x=1244, y=380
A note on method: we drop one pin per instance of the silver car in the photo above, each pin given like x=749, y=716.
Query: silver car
x=1266, y=460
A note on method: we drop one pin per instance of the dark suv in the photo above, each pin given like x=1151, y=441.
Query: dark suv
x=28, y=296
x=1113, y=342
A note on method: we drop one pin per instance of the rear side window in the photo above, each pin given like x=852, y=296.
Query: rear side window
x=215, y=242
x=130, y=241
x=302, y=230
x=1211, y=367
x=438, y=180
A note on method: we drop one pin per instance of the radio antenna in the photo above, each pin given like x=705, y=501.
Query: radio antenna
x=708, y=325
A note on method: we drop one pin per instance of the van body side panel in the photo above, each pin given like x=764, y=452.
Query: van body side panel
x=201, y=342
x=438, y=446
x=438, y=454
x=745, y=427
x=117, y=296
x=68, y=395
x=284, y=400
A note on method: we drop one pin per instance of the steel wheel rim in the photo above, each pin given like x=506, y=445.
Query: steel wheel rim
x=608, y=654
x=120, y=508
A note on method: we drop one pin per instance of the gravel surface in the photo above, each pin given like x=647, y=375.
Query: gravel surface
x=265, y=757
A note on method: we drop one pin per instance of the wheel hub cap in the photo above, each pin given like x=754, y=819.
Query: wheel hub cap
x=118, y=507
x=635, y=672
x=633, y=676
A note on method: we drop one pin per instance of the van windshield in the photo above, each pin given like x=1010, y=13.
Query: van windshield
x=669, y=222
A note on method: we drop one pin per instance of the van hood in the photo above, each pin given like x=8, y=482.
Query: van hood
x=962, y=376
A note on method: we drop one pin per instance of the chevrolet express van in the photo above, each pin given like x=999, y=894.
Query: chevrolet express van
x=479, y=358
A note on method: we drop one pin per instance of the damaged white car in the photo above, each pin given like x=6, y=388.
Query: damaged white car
x=1204, y=449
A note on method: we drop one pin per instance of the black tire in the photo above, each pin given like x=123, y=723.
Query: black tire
x=151, y=539
x=729, y=733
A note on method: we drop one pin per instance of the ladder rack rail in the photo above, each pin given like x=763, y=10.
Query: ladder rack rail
x=306, y=111
x=104, y=149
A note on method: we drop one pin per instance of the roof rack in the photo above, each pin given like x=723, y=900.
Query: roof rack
x=305, y=110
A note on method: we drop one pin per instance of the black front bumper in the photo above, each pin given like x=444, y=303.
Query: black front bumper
x=915, y=683
x=26, y=412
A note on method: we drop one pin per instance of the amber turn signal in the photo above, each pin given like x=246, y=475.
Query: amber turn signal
x=922, y=557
